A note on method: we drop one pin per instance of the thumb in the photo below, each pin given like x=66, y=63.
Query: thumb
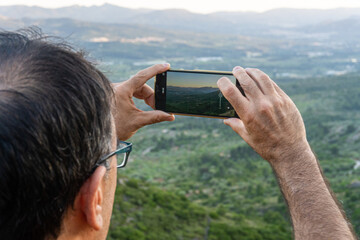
x=152, y=117
x=238, y=126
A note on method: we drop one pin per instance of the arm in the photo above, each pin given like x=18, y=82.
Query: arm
x=314, y=210
x=128, y=118
x=272, y=125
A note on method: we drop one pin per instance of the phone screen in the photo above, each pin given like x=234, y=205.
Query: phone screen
x=196, y=93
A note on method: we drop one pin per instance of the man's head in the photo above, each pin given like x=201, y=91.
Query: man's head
x=55, y=125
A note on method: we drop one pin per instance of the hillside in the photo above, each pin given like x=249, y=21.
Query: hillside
x=108, y=13
x=142, y=211
x=209, y=164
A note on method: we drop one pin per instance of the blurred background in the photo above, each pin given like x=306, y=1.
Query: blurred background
x=195, y=178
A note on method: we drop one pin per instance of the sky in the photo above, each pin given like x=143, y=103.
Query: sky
x=198, y=6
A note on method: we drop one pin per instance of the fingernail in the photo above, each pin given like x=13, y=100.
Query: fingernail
x=221, y=82
x=166, y=65
x=226, y=121
x=237, y=68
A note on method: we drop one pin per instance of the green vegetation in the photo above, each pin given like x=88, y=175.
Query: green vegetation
x=142, y=212
x=201, y=164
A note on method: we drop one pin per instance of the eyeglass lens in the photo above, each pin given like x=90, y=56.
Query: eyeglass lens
x=122, y=157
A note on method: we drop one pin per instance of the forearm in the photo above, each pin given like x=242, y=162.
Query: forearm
x=313, y=209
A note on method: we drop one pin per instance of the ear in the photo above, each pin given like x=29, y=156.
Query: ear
x=92, y=199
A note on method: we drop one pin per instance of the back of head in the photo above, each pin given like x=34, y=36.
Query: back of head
x=55, y=123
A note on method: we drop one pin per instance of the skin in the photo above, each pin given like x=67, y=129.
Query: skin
x=89, y=218
x=272, y=125
x=128, y=118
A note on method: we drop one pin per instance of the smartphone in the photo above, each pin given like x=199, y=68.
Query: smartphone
x=193, y=93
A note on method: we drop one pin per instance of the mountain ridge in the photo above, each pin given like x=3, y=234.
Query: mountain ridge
x=108, y=13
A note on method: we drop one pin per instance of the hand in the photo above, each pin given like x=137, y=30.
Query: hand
x=128, y=118
x=269, y=120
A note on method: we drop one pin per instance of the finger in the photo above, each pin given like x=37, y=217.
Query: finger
x=144, y=75
x=152, y=117
x=250, y=87
x=147, y=93
x=115, y=86
x=238, y=126
x=278, y=89
x=233, y=95
x=263, y=80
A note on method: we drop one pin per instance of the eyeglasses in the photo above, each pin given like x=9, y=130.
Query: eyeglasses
x=122, y=147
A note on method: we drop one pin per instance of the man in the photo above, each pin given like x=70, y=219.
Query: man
x=60, y=120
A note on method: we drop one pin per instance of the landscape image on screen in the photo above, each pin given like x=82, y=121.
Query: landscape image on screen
x=197, y=93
